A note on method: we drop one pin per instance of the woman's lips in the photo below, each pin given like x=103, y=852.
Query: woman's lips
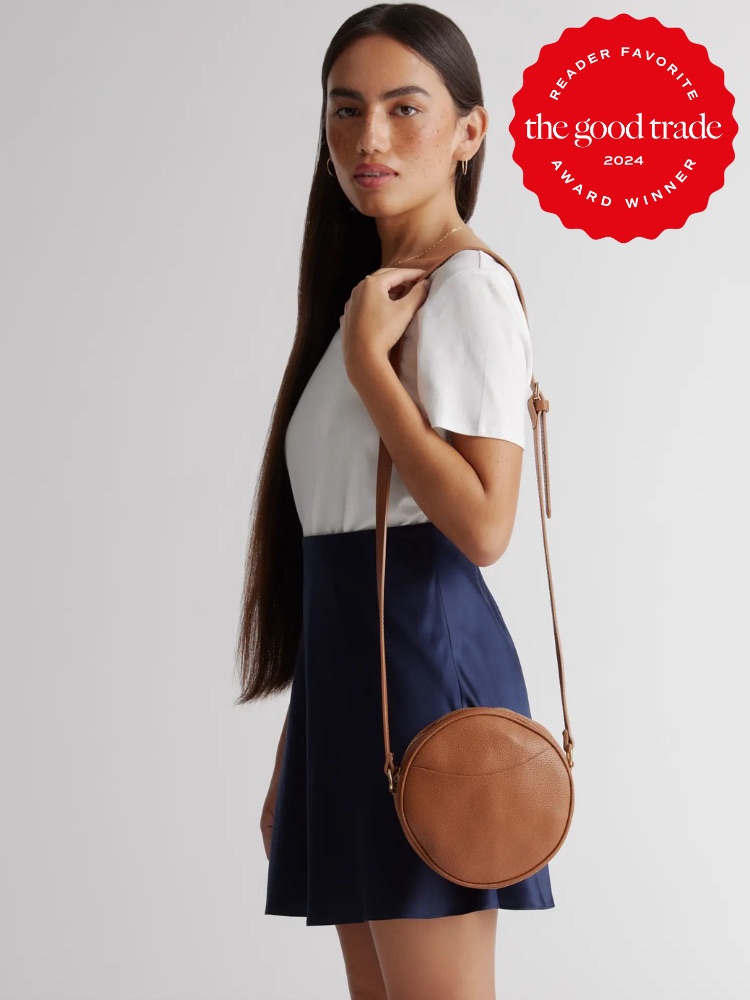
x=370, y=180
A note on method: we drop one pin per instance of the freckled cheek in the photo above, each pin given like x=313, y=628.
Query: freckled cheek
x=421, y=149
x=337, y=140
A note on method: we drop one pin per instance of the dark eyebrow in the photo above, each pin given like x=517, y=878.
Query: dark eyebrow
x=356, y=95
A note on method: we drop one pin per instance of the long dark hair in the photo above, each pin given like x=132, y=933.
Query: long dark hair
x=339, y=247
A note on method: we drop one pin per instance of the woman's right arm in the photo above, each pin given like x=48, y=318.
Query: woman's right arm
x=279, y=753
x=269, y=806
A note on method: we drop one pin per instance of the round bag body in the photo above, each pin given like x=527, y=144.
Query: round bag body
x=484, y=796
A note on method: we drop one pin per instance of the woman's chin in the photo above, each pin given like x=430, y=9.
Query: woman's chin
x=376, y=206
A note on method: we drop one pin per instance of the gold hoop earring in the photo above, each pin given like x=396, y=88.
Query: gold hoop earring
x=328, y=162
x=464, y=166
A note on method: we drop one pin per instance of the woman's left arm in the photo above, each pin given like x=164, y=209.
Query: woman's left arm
x=468, y=488
x=468, y=485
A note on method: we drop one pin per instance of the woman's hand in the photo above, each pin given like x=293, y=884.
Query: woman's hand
x=378, y=311
x=266, y=817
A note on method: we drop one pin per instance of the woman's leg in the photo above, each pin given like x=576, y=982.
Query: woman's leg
x=439, y=958
x=361, y=961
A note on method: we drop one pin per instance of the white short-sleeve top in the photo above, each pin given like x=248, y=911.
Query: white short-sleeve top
x=466, y=362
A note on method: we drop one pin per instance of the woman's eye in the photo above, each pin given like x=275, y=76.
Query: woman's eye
x=342, y=112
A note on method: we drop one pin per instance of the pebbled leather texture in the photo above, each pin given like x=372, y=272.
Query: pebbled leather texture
x=484, y=795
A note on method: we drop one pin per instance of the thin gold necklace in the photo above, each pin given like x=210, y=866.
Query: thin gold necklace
x=414, y=256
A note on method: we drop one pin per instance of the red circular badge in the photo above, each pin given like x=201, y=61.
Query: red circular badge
x=623, y=128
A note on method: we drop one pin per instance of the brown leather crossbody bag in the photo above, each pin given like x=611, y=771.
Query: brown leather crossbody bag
x=483, y=794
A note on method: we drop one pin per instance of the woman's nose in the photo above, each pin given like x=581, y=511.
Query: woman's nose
x=374, y=135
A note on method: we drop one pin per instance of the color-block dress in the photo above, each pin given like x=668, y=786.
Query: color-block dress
x=338, y=853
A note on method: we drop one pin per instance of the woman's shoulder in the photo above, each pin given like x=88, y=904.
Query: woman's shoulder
x=470, y=259
x=472, y=353
x=469, y=275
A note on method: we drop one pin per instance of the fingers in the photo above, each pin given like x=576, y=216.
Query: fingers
x=393, y=276
x=402, y=288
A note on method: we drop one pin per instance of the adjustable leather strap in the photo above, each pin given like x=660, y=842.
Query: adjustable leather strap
x=538, y=406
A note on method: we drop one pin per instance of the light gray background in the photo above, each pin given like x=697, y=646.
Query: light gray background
x=156, y=159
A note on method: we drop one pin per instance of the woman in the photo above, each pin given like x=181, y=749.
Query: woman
x=402, y=147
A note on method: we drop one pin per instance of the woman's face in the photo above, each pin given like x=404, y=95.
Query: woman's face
x=414, y=135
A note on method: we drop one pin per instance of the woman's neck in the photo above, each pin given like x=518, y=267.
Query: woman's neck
x=408, y=246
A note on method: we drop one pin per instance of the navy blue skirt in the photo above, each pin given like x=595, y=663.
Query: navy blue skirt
x=338, y=853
